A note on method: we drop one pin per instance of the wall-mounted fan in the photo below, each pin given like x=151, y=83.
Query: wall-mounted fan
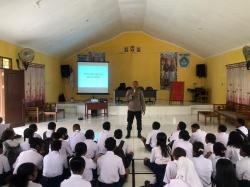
x=246, y=52
x=25, y=57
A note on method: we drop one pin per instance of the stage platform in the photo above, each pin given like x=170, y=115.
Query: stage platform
x=160, y=108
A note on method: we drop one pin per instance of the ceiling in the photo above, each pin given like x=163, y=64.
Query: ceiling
x=62, y=27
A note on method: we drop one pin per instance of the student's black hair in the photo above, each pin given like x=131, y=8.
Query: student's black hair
x=77, y=165
x=235, y=139
x=1, y=119
x=35, y=143
x=56, y=145
x=76, y=127
x=156, y=125
x=62, y=131
x=225, y=174
x=184, y=135
x=80, y=149
x=21, y=178
x=7, y=134
x=110, y=144
x=106, y=125
x=28, y=133
x=33, y=126
x=52, y=125
x=195, y=126
x=198, y=149
x=182, y=125
x=210, y=138
x=162, y=143
x=246, y=149
x=241, y=122
x=222, y=128
x=1, y=145
x=56, y=136
x=90, y=134
x=179, y=152
x=118, y=134
x=219, y=149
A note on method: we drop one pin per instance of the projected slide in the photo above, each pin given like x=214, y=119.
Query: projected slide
x=93, y=77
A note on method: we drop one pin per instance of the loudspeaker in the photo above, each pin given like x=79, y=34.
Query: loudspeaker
x=65, y=71
x=201, y=70
x=248, y=65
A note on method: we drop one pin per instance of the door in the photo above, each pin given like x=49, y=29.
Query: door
x=14, y=97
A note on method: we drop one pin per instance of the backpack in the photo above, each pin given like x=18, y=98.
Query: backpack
x=11, y=152
x=119, y=152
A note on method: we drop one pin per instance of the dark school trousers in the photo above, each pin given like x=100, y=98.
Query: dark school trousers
x=130, y=119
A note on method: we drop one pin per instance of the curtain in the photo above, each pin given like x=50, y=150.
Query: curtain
x=35, y=85
x=238, y=84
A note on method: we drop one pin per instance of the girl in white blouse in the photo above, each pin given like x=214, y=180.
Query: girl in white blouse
x=160, y=156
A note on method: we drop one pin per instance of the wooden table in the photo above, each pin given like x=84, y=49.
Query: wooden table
x=207, y=114
x=96, y=106
x=54, y=113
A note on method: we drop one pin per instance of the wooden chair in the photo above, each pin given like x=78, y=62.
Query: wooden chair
x=50, y=109
x=34, y=112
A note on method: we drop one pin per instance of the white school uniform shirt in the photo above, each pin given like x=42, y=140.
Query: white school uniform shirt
x=49, y=133
x=65, y=149
x=75, y=181
x=222, y=137
x=186, y=145
x=177, y=183
x=198, y=136
x=33, y=184
x=243, y=129
x=89, y=167
x=25, y=146
x=11, y=143
x=174, y=136
x=109, y=168
x=204, y=169
x=30, y=156
x=53, y=164
x=104, y=134
x=233, y=154
x=4, y=164
x=243, y=169
x=209, y=147
x=36, y=135
x=92, y=148
x=151, y=138
x=76, y=137
x=170, y=172
x=157, y=157
x=125, y=147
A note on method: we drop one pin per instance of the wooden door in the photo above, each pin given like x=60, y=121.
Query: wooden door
x=14, y=97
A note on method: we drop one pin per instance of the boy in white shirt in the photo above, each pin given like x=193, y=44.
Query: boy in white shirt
x=197, y=134
x=175, y=135
x=51, y=129
x=77, y=166
x=33, y=126
x=104, y=134
x=150, y=141
x=208, y=147
x=242, y=129
x=110, y=167
x=92, y=147
x=27, y=135
x=222, y=135
x=53, y=166
x=62, y=134
x=4, y=167
x=76, y=137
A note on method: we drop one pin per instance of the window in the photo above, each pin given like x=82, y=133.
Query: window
x=5, y=63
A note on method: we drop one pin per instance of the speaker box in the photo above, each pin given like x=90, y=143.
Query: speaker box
x=248, y=65
x=201, y=70
x=65, y=71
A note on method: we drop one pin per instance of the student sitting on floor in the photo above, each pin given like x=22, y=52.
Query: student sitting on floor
x=110, y=167
x=243, y=130
x=76, y=137
x=92, y=148
x=33, y=155
x=24, y=177
x=197, y=134
x=90, y=165
x=33, y=126
x=150, y=141
x=53, y=166
x=235, y=141
x=65, y=150
x=77, y=166
x=122, y=145
x=104, y=134
x=184, y=143
x=222, y=135
x=243, y=166
x=4, y=166
x=51, y=129
x=160, y=156
x=202, y=165
x=27, y=135
x=11, y=147
x=175, y=135
x=209, y=146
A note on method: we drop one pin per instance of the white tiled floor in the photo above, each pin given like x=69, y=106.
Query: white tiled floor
x=168, y=124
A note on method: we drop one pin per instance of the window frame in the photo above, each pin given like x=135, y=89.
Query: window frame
x=1, y=62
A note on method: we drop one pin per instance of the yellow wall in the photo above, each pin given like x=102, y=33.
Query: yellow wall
x=144, y=67
x=52, y=69
x=217, y=78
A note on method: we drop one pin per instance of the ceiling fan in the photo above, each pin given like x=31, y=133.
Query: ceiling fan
x=246, y=52
x=25, y=57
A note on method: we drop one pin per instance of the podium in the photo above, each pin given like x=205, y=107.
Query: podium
x=177, y=92
x=96, y=106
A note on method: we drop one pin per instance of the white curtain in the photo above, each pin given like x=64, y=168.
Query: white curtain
x=34, y=85
x=238, y=84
